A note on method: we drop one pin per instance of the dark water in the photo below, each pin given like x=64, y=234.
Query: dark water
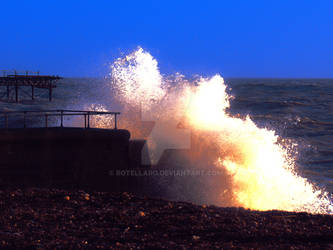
x=297, y=109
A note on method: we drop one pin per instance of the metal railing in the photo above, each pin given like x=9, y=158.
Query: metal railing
x=57, y=113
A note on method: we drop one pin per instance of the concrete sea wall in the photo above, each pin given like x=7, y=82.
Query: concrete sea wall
x=66, y=157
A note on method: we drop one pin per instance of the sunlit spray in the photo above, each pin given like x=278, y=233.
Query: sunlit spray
x=262, y=174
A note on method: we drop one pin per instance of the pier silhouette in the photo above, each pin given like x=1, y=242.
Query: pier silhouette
x=17, y=79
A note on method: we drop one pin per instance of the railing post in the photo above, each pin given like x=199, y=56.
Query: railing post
x=16, y=92
x=115, y=120
x=32, y=92
x=88, y=119
x=85, y=120
x=6, y=121
x=61, y=118
x=24, y=114
x=50, y=92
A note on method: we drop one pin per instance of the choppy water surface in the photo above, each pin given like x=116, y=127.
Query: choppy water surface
x=300, y=109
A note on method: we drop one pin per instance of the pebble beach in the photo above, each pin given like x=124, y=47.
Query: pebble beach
x=41, y=218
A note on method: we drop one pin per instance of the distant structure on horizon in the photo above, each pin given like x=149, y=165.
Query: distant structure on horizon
x=27, y=78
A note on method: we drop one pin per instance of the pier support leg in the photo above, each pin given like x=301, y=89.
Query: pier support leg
x=50, y=94
x=16, y=93
x=32, y=93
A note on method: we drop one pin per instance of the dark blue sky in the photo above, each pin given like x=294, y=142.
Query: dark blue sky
x=234, y=38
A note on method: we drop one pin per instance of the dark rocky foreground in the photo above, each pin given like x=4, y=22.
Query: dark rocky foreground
x=52, y=218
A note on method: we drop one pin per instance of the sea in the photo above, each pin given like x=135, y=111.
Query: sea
x=298, y=110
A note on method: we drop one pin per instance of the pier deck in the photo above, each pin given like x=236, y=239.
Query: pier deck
x=33, y=79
